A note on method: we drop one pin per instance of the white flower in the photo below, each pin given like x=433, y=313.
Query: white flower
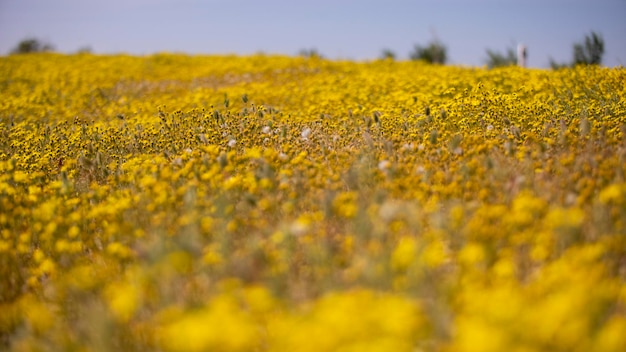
x=306, y=133
x=299, y=227
x=266, y=129
x=384, y=165
x=232, y=143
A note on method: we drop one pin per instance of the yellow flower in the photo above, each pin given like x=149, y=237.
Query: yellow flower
x=119, y=250
x=561, y=218
x=124, y=299
x=471, y=254
x=20, y=176
x=385, y=323
x=404, y=254
x=222, y=325
x=38, y=316
x=345, y=205
x=614, y=193
x=434, y=254
x=611, y=338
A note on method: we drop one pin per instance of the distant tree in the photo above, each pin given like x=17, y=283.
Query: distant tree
x=84, y=50
x=590, y=52
x=558, y=65
x=32, y=45
x=311, y=53
x=496, y=59
x=435, y=53
x=387, y=54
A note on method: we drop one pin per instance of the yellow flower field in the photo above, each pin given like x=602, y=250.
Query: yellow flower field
x=267, y=203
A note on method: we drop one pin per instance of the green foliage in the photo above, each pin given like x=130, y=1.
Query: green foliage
x=32, y=45
x=588, y=52
x=84, y=50
x=311, y=53
x=387, y=54
x=434, y=53
x=496, y=59
x=558, y=65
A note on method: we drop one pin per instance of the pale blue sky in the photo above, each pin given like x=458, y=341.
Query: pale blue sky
x=347, y=29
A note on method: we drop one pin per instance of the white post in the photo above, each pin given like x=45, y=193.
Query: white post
x=522, y=54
